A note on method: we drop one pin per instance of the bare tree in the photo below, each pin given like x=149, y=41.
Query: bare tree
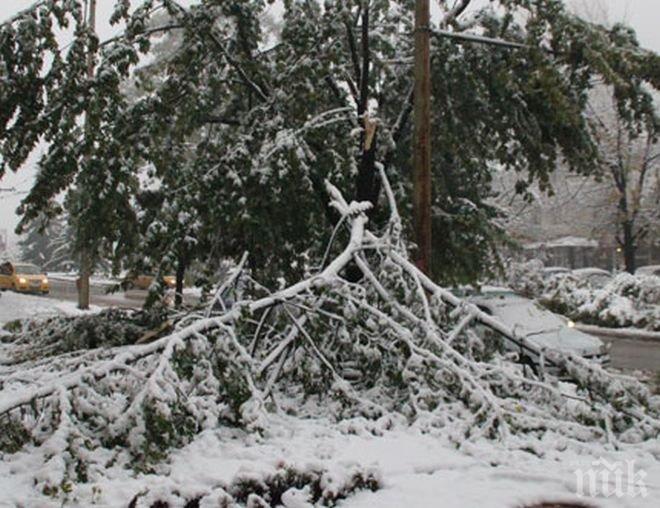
x=631, y=162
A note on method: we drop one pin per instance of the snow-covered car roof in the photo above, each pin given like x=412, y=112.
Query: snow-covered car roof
x=555, y=269
x=539, y=325
x=565, y=241
x=586, y=272
x=648, y=270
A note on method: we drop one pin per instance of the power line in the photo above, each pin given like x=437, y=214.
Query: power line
x=480, y=39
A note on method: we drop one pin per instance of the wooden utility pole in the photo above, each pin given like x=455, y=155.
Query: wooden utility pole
x=422, y=136
x=85, y=255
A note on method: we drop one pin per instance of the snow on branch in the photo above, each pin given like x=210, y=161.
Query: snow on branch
x=394, y=342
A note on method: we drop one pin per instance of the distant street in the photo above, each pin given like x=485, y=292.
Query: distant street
x=66, y=290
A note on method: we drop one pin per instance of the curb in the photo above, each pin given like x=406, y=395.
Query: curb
x=620, y=333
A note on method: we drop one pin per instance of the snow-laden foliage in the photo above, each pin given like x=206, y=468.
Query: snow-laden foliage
x=625, y=301
x=394, y=343
x=286, y=485
x=39, y=339
x=222, y=143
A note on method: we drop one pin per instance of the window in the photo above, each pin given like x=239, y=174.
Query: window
x=28, y=269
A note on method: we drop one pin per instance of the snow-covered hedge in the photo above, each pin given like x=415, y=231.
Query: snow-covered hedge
x=287, y=485
x=625, y=301
x=394, y=343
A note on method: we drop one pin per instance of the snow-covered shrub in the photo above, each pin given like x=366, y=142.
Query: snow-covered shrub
x=626, y=301
x=310, y=485
x=393, y=343
x=641, y=289
x=526, y=278
x=286, y=485
x=564, y=294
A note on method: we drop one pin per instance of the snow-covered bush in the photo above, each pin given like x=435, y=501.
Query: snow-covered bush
x=526, y=278
x=626, y=301
x=392, y=343
x=286, y=485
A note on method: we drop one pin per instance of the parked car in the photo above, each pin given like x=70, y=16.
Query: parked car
x=144, y=281
x=24, y=278
x=648, y=270
x=595, y=277
x=542, y=328
x=551, y=271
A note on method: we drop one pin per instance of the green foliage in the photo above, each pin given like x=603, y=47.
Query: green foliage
x=12, y=327
x=162, y=433
x=14, y=435
x=222, y=144
x=234, y=387
x=318, y=484
x=57, y=335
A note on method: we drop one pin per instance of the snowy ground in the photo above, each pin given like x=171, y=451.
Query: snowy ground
x=417, y=469
x=21, y=306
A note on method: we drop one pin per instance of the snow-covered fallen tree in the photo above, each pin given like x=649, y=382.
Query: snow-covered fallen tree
x=395, y=342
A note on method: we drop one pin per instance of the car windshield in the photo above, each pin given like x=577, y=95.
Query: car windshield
x=526, y=316
x=599, y=280
x=28, y=269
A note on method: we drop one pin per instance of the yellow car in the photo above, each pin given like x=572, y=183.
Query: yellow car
x=144, y=281
x=24, y=278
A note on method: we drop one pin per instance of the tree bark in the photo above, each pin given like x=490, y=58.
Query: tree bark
x=180, y=275
x=629, y=247
x=627, y=241
x=368, y=182
x=422, y=137
x=85, y=255
x=83, y=281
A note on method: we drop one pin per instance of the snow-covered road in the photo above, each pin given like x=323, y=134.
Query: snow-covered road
x=19, y=306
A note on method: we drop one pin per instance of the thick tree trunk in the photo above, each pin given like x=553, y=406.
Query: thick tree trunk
x=368, y=182
x=422, y=137
x=85, y=257
x=180, y=275
x=629, y=247
x=627, y=239
x=83, y=281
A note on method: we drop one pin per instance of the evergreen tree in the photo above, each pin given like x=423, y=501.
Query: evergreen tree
x=241, y=137
x=47, y=243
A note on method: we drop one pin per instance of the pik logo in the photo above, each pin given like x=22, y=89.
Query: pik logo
x=611, y=479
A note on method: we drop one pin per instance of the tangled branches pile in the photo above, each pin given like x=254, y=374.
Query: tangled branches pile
x=394, y=342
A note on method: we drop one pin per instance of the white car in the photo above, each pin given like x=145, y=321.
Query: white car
x=595, y=277
x=648, y=270
x=551, y=271
x=539, y=326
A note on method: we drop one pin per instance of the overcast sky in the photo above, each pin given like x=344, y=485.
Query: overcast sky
x=642, y=15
